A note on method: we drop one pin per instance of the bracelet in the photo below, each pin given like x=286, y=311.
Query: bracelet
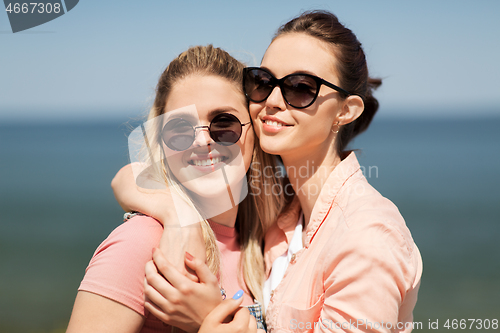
x=128, y=215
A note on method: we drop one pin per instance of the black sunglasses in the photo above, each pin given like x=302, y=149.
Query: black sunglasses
x=298, y=90
x=225, y=129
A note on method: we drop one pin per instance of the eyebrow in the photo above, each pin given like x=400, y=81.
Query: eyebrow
x=294, y=72
x=211, y=114
x=220, y=110
x=185, y=116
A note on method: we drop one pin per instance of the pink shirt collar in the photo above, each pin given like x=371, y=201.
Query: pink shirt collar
x=280, y=234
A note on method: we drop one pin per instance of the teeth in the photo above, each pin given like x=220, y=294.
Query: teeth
x=273, y=123
x=207, y=162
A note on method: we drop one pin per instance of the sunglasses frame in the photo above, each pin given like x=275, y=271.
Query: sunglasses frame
x=209, y=130
x=279, y=82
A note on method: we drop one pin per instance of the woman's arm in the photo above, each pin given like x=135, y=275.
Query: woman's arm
x=157, y=203
x=186, y=304
x=229, y=317
x=177, y=300
x=111, y=294
x=152, y=201
x=96, y=314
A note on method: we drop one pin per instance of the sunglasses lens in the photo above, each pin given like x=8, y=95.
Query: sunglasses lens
x=225, y=129
x=178, y=134
x=258, y=85
x=300, y=90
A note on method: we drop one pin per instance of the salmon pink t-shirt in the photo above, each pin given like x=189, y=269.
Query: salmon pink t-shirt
x=116, y=271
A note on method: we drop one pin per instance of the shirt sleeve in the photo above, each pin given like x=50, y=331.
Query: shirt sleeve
x=368, y=281
x=117, y=269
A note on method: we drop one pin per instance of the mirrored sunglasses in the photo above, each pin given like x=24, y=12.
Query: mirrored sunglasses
x=225, y=129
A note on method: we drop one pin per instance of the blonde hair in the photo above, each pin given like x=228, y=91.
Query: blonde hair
x=259, y=208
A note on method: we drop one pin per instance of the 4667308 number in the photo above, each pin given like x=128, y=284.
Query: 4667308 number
x=34, y=7
x=462, y=324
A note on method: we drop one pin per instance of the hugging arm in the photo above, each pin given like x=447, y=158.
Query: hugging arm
x=192, y=306
x=176, y=299
x=158, y=204
x=152, y=201
x=229, y=317
x=93, y=313
x=110, y=296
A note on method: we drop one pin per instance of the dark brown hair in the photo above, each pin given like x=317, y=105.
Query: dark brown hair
x=351, y=64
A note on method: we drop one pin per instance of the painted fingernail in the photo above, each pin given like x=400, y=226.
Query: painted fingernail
x=189, y=256
x=238, y=294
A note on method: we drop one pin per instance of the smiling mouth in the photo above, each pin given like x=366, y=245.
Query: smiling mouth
x=207, y=161
x=274, y=123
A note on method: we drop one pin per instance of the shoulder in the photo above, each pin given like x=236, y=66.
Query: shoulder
x=364, y=224
x=131, y=238
x=366, y=212
x=116, y=270
x=134, y=239
x=139, y=229
x=369, y=230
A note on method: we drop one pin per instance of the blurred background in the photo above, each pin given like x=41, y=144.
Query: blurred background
x=72, y=89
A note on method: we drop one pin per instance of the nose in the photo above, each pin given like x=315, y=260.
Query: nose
x=275, y=100
x=202, y=136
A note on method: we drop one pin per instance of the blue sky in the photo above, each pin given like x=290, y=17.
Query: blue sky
x=102, y=59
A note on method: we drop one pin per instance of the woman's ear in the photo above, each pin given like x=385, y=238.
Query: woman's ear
x=352, y=108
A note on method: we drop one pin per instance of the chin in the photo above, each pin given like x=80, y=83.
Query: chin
x=214, y=198
x=215, y=186
x=273, y=146
x=206, y=189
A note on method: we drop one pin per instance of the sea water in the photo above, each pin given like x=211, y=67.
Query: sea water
x=56, y=206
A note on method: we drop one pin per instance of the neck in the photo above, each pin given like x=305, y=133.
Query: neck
x=228, y=218
x=308, y=173
x=217, y=209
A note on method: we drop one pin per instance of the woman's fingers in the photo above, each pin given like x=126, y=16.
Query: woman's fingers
x=156, y=287
x=241, y=321
x=226, y=308
x=151, y=268
x=156, y=311
x=252, y=324
x=160, y=299
x=201, y=269
x=170, y=273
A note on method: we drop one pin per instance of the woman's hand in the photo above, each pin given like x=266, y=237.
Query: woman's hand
x=157, y=202
x=180, y=301
x=229, y=317
x=151, y=198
